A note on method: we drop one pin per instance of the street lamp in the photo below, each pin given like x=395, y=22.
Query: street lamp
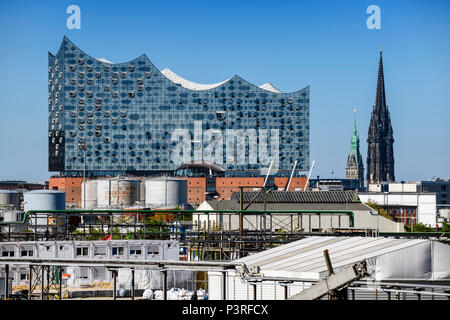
x=83, y=147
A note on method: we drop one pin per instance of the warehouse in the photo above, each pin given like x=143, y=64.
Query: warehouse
x=314, y=201
x=419, y=263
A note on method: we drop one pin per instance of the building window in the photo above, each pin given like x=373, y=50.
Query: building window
x=83, y=251
x=8, y=253
x=24, y=276
x=26, y=252
x=117, y=251
x=153, y=250
x=84, y=272
x=99, y=273
x=100, y=251
x=134, y=250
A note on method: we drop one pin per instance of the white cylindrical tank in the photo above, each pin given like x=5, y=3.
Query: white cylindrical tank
x=91, y=194
x=13, y=216
x=10, y=199
x=44, y=200
x=165, y=192
x=142, y=192
x=117, y=193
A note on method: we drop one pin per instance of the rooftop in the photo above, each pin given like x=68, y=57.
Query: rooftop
x=234, y=205
x=387, y=258
x=347, y=196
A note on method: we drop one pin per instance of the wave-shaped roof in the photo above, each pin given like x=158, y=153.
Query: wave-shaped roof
x=269, y=87
x=169, y=74
x=172, y=76
x=176, y=79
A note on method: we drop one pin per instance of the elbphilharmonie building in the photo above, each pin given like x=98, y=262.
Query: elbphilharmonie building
x=131, y=118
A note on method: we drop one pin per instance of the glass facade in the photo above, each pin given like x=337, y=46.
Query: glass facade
x=126, y=114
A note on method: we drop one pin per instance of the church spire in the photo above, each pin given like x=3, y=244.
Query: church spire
x=380, y=100
x=380, y=153
x=354, y=148
x=355, y=166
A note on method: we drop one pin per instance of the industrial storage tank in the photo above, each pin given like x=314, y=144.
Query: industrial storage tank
x=142, y=192
x=166, y=192
x=12, y=216
x=44, y=200
x=91, y=194
x=10, y=199
x=117, y=192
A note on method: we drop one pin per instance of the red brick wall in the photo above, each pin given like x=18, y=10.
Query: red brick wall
x=296, y=182
x=226, y=186
x=196, y=190
x=72, y=187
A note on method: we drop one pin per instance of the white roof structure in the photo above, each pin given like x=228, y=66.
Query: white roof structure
x=269, y=87
x=387, y=259
x=172, y=76
x=104, y=60
x=169, y=74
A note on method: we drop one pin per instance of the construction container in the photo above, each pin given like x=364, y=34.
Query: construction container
x=140, y=250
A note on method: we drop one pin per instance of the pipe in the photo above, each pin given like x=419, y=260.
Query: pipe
x=30, y=280
x=132, y=284
x=99, y=212
x=403, y=291
x=268, y=173
x=164, y=288
x=42, y=282
x=290, y=178
x=114, y=274
x=328, y=262
x=60, y=282
x=224, y=287
x=6, y=281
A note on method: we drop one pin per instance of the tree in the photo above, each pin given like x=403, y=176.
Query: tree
x=382, y=212
x=420, y=227
x=116, y=234
x=445, y=227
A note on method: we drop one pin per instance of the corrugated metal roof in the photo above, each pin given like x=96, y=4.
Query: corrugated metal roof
x=306, y=255
x=299, y=196
x=234, y=205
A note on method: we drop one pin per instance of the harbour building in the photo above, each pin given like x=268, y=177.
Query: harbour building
x=133, y=119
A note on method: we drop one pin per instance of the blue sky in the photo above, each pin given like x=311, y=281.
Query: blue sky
x=292, y=44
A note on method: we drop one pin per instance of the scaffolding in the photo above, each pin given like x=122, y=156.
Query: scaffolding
x=202, y=234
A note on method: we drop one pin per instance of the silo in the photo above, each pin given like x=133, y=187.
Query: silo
x=142, y=192
x=10, y=199
x=91, y=194
x=117, y=193
x=12, y=216
x=165, y=192
x=45, y=200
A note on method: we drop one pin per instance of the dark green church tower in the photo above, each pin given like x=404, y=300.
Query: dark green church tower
x=355, y=166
